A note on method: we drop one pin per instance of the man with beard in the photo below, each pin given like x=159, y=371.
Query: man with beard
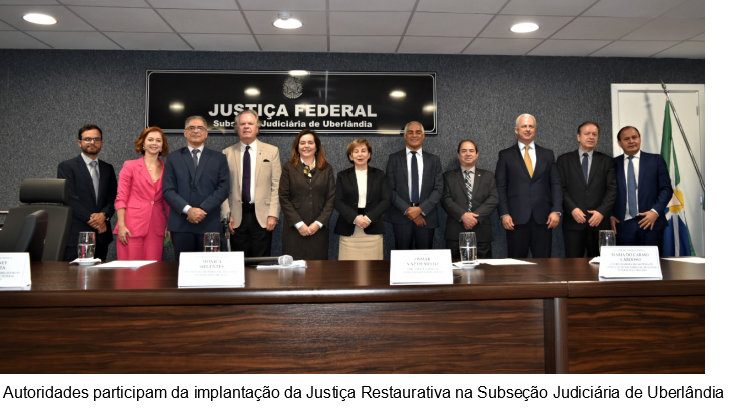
x=93, y=188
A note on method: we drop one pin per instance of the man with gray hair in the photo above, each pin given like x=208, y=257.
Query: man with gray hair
x=254, y=202
x=195, y=183
x=529, y=193
x=415, y=181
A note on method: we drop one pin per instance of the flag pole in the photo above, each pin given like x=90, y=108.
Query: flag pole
x=683, y=134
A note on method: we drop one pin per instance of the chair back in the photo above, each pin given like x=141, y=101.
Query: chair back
x=26, y=235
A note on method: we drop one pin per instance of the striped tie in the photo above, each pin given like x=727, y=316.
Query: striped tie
x=469, y=187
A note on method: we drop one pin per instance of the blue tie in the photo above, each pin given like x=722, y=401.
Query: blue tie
x=585, y=167
x=632, y=188
x=415, y=178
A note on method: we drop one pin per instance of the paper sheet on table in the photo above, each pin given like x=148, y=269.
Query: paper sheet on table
x=295, y=264
x=502, y=261
x=595, y=260
x=693, y=260
x=124, y=264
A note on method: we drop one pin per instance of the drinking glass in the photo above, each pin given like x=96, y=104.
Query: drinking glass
x=211, y=242
x=87, y=242
x=607, y=238
x=468, y=248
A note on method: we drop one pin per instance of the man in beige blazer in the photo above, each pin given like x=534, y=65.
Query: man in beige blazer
x=253, y=201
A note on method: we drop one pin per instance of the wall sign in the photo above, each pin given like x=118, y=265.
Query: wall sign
x=288, y=101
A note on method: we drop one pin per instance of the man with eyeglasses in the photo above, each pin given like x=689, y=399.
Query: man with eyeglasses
x=93, y=188
x=195, y=183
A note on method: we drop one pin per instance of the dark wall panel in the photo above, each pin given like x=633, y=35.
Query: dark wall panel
x=45, y=96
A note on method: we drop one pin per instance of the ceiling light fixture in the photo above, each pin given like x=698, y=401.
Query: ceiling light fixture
x=252, y=92
x=524, y=27
x=298, y=73
x=286, y=22
x=42, y=19
x=398, y=94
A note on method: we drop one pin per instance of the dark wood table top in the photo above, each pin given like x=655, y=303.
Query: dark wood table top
x=58, y=284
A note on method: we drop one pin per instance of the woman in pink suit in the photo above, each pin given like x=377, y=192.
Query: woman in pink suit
x=142, y=213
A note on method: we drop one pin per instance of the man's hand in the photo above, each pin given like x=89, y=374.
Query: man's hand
x=596, y=218
x=196, y=215
x=553, y=220
x=420, y=221
x=271, y=223
x=507, y=222
x=97, y=220
x=578, y=215
x=470, y=220
x=231, y=225
x=648, y=220
x=613, y=222
x=414, y=212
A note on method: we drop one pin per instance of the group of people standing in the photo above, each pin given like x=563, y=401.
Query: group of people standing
x=188, y=194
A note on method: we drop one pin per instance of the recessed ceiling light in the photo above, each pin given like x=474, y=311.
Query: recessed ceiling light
x=298, y=73
x=286, y=22
x=252, y=92
x=36, y=18
x=177, y=106
x=524, y=27
x=398, y=94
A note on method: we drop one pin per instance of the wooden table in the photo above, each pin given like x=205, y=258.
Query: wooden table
x=344, y=317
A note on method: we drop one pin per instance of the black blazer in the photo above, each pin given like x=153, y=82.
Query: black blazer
x=429, y=196
x=520, y=195
x=455, y=202
x=598, y=194
x=81, y=196
x=346, y=201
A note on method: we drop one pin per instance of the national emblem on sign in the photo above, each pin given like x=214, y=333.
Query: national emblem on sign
x=292, y=88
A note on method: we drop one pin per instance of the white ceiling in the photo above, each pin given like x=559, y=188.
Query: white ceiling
x=595, y=28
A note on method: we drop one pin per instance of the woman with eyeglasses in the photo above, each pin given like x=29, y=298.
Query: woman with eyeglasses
x=362, y=198
x=142, y=213
x=307, y=194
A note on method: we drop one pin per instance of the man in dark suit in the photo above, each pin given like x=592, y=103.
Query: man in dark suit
x=644, y=190
x=416, y=189
x=469, y=197
x=93, y=188
x=195, y=183
x=589, y=189
x=529, y=193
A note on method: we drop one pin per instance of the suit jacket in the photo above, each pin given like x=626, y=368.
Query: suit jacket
x=455, y=202
x=519, y=194
x=81, y=196
x=267, y=174
x=346, y=201
x=654, y=187
x=307, y=202
x=206, y=187
x=598, y=194
x=397, y=175
x=138, y=194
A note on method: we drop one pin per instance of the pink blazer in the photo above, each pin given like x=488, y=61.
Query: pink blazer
x=137, y=193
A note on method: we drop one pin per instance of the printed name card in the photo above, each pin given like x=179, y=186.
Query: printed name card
x=421, y=267
x=15, y=270
x=629, y=262
x=211, y=269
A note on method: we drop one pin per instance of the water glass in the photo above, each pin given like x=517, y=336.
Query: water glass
x=607, y=238
x=211, y=242
x=87, y=242
x=468, y=248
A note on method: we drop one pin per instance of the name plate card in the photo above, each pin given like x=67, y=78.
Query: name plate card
x=15, y=270
x=630, y=262
x=421, y=267
x=211, y=269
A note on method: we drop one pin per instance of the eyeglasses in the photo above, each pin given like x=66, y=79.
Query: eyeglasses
x=95, y=140
x=195, y=129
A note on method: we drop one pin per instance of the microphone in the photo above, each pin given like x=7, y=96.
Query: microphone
x=284, y=260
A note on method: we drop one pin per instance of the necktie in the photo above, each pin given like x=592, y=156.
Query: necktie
x=586, y=166
x=469, y=187
x=246, y=177
x=195, y=158
x=527, y=161
x=95, y=178
x=415, y=178
x=632, y=187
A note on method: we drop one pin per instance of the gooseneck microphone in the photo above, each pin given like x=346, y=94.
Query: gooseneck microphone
x=284, y=260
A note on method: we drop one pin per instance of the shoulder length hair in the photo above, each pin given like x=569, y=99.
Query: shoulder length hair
x=320, y=161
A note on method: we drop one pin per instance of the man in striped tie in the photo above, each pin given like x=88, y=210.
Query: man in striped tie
x=469, y=197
